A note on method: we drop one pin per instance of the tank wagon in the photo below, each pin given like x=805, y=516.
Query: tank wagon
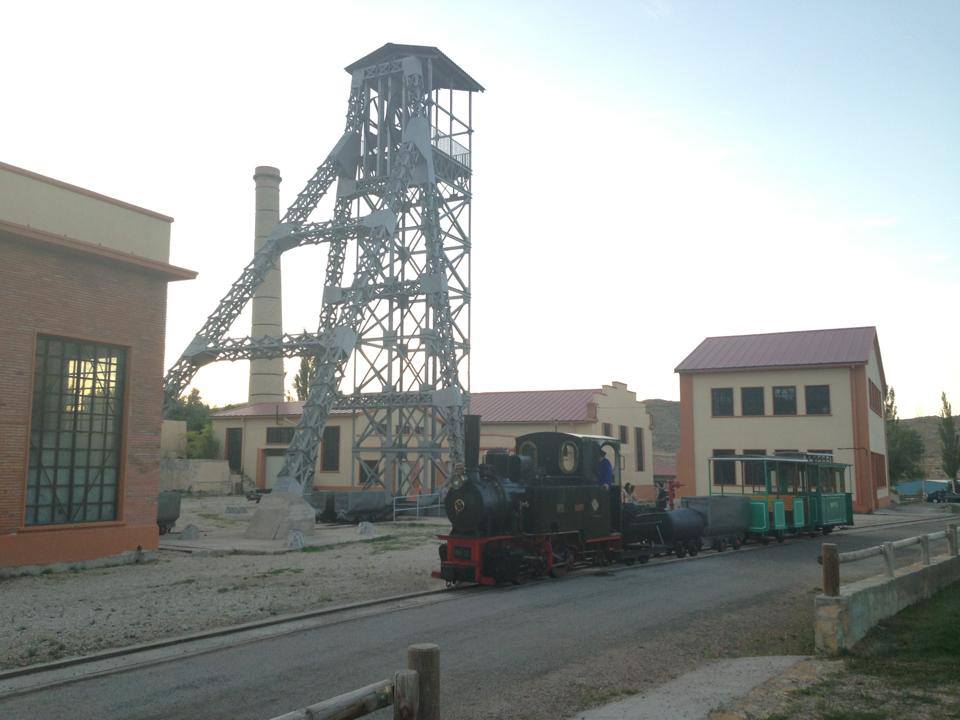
x=540, y=509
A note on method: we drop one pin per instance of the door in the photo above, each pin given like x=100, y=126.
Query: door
x=272, y=465
x=235, y=449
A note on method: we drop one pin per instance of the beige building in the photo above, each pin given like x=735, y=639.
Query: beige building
x=253, y=438
x=814, y=391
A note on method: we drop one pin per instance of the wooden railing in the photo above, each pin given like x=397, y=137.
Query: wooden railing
x=414, y=693
x=831, y=558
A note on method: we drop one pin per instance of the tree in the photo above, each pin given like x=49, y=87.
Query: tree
x=200, y=441
x=904, y=445
x=949, y=442
x=201, y=444
x=192, y=409
x=304, y=376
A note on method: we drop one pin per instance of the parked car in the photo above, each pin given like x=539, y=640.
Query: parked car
x=943, y=496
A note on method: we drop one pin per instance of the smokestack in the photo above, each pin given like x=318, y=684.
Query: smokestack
x=471, y=441
x=266, y=376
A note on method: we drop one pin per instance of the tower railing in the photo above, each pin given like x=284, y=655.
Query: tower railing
x=447, y=145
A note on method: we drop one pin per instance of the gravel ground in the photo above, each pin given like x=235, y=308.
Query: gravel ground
x=48, y=616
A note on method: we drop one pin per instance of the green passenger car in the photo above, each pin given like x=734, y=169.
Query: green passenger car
x=790, y=493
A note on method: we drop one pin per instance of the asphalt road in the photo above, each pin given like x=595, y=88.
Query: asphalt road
x=533, y=651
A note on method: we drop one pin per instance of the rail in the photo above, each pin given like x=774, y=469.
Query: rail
x=414, y=693
x=421, y=503
x=447, y=145
x=831, y=558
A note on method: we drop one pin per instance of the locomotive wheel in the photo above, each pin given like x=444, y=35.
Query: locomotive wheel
x=765, y=540
x=644, y=559
x=827, y=529
x=721, y=544
x=780, y=536
x=737, y=542
x=694, y=548
x=629, y=561
x=680, y=550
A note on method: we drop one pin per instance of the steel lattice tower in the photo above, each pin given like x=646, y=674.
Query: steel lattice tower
x=400, y=321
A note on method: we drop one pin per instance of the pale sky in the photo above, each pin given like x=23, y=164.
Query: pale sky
x=646, y=174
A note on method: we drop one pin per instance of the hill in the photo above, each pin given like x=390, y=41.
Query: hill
x=927, y=427
x=665, y=415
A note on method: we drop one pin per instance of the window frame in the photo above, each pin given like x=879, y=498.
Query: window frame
x=36, y=453
x=732, y=464
x=763, y=402
x=606, y=429
x=774, y=398
x=640, y=456
x=285, y=430
x=806, y=399
x=758, y=464
x=713, y=402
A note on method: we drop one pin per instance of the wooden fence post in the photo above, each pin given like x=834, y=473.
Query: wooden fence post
x=952, y=538
x=831, y=569
x=425, y=659
x=890, y=559
x=925, y=549
x=406, y=695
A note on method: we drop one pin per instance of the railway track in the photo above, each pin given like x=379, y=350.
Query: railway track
x=35, y=678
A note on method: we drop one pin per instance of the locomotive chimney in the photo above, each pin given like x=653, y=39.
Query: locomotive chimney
x=471, y=441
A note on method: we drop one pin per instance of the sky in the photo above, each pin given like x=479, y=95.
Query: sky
x=646, y=174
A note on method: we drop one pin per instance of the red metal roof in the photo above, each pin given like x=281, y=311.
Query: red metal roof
x=842, y=346
x=523, y=406
x=293, y=408
x=535, y=406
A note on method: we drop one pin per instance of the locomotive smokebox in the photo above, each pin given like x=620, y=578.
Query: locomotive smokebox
x=471, y=441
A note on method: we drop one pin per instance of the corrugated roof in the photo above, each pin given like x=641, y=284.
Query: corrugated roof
x=841, y=346
x=293, y=408
x=534, y=406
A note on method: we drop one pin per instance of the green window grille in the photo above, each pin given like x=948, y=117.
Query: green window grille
x=76, y=433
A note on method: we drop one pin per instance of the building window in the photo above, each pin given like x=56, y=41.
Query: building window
x=724, y=471
x=879, y=469
x=638, y=438
x=76, y=432
x=722, y=402
x=235, y=449
x=785, y=400
x=607, y=430
x=876, y=399
x=330, y=449
x=624, y=435
x=753, y=470
x=818, y=399
x=751, y=401
x=280, y=435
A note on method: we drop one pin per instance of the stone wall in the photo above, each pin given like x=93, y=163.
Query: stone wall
x=841, y=621
x=206, y=477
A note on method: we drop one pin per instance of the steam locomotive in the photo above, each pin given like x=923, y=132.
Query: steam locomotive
x=540, y=510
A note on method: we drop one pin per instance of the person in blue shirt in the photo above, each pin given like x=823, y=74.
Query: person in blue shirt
x=604, y=471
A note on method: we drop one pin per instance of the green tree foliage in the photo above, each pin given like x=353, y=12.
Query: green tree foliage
x=904, y=445
x=192, y=409
x=949, y=442
x=201, y=444
x=304, y=376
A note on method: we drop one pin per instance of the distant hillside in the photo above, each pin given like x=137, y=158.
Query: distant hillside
x=927, y=427
x=665, y=415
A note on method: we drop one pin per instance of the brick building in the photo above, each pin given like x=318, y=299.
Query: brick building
x=83, y=286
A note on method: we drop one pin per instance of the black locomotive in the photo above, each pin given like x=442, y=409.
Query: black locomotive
x=540, y=510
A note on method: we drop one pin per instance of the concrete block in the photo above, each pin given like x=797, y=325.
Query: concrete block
x=279, y=513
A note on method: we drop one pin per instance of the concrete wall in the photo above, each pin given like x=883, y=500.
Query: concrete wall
x=209, y=477
x=768, y=432
x=877, y=432
x=173, y=439
x=839, y=622
x=56, y=207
